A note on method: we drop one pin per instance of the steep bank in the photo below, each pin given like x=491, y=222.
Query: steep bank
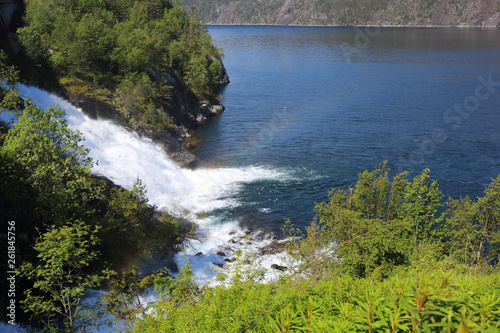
x=148, y=65
x=184, y=109
x=455, y=13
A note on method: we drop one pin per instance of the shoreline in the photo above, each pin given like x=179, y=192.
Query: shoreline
x=352, y=26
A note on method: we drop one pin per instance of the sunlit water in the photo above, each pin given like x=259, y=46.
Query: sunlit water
x=328, y=103
x=307, y=109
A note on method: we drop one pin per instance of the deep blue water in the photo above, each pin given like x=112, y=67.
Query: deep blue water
x=323, y=104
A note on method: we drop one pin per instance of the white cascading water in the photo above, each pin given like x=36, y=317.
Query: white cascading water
x=122, y=156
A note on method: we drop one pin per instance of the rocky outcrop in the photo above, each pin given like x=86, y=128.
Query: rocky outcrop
x=467, y=13
x=95, y=108
x=279, y=267
x=223, y=77
x=169, y=142
x=185, y=110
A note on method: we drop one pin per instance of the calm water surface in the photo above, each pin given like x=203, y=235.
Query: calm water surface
x=321, y=105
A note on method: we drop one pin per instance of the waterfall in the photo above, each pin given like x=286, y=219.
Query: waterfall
x=122, y=156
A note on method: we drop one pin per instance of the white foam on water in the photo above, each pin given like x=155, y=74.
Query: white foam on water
x=122, y=156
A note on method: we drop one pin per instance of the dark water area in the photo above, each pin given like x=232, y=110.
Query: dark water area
x=320, y=105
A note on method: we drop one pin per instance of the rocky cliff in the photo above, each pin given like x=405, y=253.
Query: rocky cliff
x=184, y=108
x=456, y=13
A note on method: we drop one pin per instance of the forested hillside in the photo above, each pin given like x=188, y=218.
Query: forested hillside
x=350, y=12
x=148, y=60
x=147, y=64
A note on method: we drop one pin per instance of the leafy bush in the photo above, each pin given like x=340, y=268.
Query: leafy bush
x=411, y=301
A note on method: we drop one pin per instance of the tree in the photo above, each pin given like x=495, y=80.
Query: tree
x=473, y=228
x=372, y=192
x=197, y=76
x=488, y=216
x=128, y=226
x=422, y=202
x=366, y=218
x=94, y=42
x=9, y=75
x=53, y=163
x=214, y=71
x=60, y=276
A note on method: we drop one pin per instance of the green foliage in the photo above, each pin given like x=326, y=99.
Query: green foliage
x=129, y=228
x=124, y=299
x=197, y=75
x=128, y=221
x=141, y=99
x=53, y=164
x=367, y=217
x=381, y=226
x=409, y=301
x=60, y=276
x=421, y=206
x=169, y=228
x=473, y=228
x=9, y=76
x=104, y=43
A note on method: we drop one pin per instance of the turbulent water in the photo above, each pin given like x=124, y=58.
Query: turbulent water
x=307, y=110
x=123, y=156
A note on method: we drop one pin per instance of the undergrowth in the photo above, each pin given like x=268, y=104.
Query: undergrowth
x=408, y=302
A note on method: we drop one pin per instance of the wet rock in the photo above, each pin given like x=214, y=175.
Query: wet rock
x=230, y=259
x=208, y=111
x=221, y=254
x=231, y=241
x=273, y=248
x=166, y=141
x=199, y=254
x=218, y=264
x=278, y=267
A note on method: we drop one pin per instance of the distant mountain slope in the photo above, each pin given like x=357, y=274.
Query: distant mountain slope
x=483, y=13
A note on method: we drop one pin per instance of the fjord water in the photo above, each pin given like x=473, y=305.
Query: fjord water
x=309, y=108
x=323, y=104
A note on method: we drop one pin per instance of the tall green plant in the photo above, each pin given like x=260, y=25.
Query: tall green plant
x=53, y=163
x=473, y=227
x=60, y=276
x=369, y=216
x=422, y=202
x=9, y=76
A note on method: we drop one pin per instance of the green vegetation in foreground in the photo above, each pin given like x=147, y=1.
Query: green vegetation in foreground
x=414, y=301
x=67, y=222
x=121, y=52
x=384, y=256
x=402, y=261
